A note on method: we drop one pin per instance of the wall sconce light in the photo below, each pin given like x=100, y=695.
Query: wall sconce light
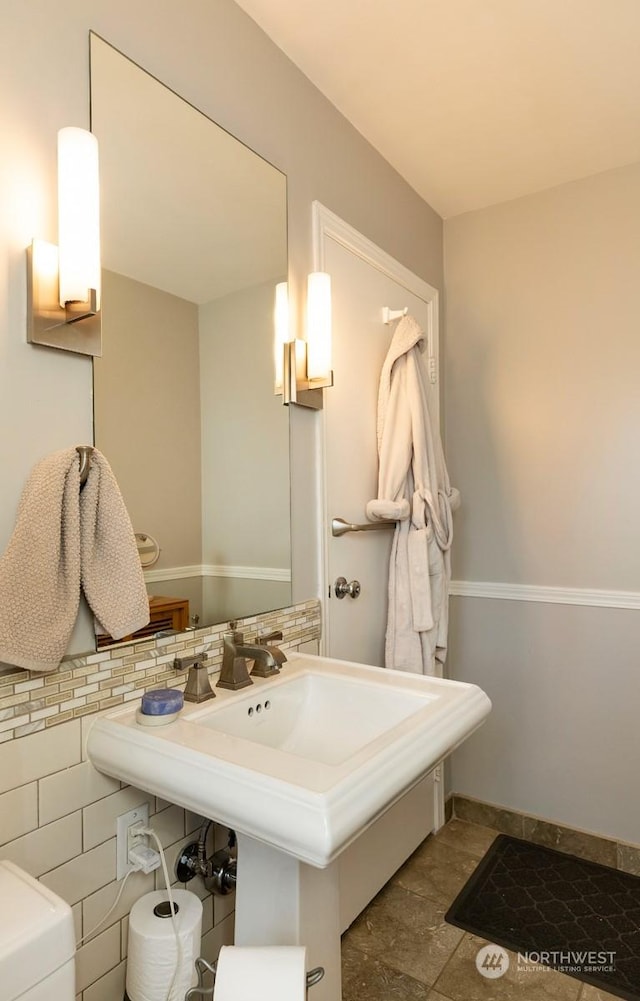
x=303, y=367
x=64, y=282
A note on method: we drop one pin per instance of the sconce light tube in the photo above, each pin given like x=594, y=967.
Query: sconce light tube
x=78, y=216
x=303, y=367
x=63, y=282
x=318, y=326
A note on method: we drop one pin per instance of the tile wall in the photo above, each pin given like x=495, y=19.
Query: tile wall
x=58, y=814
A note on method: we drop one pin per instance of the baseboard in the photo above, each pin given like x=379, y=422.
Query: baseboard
x=448, y=808
x=607, y=851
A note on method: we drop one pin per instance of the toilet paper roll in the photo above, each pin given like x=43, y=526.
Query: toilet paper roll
x=152, y=950
x=270, y=973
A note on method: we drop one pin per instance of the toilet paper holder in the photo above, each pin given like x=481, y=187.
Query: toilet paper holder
x=203, y=967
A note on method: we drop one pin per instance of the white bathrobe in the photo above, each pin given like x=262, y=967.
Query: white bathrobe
x=414, y=489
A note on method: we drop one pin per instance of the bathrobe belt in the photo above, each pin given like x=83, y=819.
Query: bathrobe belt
x=428, y=521
x=426, y=513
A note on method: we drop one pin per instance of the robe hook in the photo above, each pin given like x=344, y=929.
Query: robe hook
x=388, y=315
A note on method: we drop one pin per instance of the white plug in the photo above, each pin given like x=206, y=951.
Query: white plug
x=144, y=859
x=138, y=852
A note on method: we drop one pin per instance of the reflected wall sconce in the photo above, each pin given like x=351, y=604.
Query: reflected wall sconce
x=63, y=309
x=303, y=367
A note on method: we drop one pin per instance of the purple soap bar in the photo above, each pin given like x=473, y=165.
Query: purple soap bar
x=162, y=702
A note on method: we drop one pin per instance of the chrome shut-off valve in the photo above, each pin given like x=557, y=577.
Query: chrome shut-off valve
x=218, y=871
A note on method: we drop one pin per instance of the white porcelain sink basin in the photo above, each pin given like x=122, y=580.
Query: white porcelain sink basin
x=317, y=716
x=303, y=762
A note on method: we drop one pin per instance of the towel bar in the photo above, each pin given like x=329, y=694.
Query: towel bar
x=341, y=527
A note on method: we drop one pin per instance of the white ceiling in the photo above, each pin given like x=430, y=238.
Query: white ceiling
x=474, y=101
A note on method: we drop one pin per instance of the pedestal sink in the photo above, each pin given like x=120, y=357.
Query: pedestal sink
x=299, y=766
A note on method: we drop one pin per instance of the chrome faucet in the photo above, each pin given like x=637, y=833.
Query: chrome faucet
x=234, y=673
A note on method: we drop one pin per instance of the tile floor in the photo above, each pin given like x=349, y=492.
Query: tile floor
x=401, y=948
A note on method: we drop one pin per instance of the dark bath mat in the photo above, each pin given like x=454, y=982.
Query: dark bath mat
x=532, y=900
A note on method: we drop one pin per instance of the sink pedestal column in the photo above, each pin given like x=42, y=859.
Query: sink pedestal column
x=282, y=901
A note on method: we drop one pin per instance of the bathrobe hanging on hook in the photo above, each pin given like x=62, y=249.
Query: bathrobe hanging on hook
x=414, y=489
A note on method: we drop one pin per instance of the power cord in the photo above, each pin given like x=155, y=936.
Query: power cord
x=110, y=911
x=141, y=859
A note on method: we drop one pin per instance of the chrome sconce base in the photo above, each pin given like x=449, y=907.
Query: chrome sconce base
x=297, y=387
x=76, y=327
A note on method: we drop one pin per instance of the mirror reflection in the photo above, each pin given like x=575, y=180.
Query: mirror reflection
x=194, y=242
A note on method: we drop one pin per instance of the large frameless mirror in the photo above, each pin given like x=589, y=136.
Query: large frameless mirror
x=193, y=244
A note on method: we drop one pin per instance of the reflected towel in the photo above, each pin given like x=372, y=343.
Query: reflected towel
x=65, y=540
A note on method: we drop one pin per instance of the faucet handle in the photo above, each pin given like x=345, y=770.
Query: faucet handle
x=182, y=663
x=198, y=687
x=275, y=634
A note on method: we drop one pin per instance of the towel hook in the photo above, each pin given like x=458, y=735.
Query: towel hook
x=85, y=452
x=388, y=315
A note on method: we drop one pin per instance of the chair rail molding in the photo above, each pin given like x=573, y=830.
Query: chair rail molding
x=212, y=570
x=544, y=594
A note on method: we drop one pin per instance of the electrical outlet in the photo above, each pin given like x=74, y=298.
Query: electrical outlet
x=126, y=820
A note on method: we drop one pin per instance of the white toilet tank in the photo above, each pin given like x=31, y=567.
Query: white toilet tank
x=37, y=942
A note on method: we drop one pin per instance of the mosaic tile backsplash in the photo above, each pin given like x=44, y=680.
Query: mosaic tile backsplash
x=30, y=702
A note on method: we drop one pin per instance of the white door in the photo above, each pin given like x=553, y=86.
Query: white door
x=364, y=280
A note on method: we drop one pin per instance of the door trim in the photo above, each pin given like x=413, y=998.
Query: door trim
x=327, y=225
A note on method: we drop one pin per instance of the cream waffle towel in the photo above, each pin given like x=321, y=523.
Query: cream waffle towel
x=65, y=540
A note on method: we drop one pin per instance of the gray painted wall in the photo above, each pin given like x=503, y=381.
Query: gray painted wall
x=542, y=416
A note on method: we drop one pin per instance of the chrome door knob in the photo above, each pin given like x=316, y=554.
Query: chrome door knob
x=342, y=588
